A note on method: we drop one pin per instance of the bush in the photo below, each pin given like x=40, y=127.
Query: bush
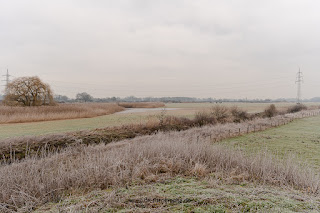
x=239, y=114
x=203, y=118
x=270, y=111
x=221, y=113
x=297, y=108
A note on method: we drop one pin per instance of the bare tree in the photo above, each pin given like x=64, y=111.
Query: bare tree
x=28, y=91
x=84, y=97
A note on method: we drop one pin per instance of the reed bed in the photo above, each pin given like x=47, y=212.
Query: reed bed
x=141, y=104
x=35, y=181
x=58, y=112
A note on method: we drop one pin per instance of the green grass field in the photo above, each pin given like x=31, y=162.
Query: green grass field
x=300, y=138
x=60, y=126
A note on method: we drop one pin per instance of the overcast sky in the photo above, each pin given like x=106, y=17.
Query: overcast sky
x=196, y=48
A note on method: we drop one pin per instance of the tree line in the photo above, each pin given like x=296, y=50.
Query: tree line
x=31, y=91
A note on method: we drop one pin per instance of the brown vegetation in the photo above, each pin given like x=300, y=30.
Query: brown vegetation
x=297, y=108
x=222, y=114
x=25, y=185
x=141, y=104
x=239, y=115
x=271, y=111
x=58, y=112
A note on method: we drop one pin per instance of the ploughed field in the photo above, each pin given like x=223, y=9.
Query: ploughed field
x=107, y=119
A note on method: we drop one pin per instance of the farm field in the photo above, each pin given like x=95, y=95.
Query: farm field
x=183, y=110
x=300, y=138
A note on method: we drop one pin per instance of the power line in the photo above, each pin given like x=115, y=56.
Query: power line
x=7, y=78
x=299, y=81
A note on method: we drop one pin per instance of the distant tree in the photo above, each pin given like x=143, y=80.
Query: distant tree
x=28, y=91
x=113, y=99
x=61, y=98
x=84, y=97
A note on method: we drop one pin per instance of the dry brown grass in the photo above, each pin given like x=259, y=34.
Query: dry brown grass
x=58, y=112
x=35, y=181
x=142, y=104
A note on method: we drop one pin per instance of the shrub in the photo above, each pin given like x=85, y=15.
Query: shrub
x=297, y=108
x=239, y=114
x=270, y=111
x=221, y=114
x=203, y=118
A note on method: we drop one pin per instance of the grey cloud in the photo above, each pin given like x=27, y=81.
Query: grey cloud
x=163, y=45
